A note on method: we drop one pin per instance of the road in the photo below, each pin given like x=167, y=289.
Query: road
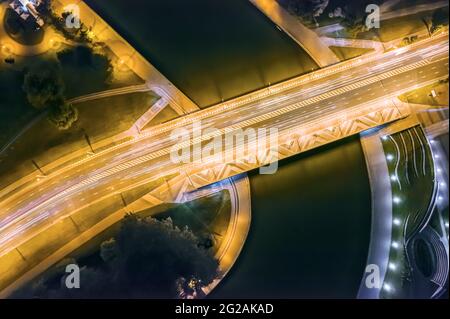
x=30, y=208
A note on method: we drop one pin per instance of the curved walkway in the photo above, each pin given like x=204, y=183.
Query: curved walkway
x=238, y=228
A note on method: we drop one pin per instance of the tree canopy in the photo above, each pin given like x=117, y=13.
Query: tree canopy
x=43, y=83
x=146, y=259
x=62, y=114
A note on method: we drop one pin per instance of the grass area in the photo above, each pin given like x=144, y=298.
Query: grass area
x=15, y=111
x=347, y=53
x=411, y=168
x=100, y=119
x=208, y=215
x=166, y=115
x=410, y=3
x=423, y=95
x=398, y=28
x=85, y=75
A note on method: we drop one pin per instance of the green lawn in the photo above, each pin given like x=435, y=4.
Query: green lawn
x=411, y=169
x=100, y=119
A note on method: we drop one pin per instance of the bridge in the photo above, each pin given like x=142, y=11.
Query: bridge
x=308, y=111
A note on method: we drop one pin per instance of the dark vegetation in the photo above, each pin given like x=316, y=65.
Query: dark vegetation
x=146, y=259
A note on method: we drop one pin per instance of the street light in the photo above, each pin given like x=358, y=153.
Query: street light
x=387, y=287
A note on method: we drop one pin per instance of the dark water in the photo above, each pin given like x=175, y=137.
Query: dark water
x=210, y=49
x=310, y=229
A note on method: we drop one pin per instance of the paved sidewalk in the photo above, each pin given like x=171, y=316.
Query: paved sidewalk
x=380, y=185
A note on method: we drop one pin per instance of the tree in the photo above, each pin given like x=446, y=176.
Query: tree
x=43, y=83
x=439, y=20
x=62, y=114
x=86, y=62
x=147, y=259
